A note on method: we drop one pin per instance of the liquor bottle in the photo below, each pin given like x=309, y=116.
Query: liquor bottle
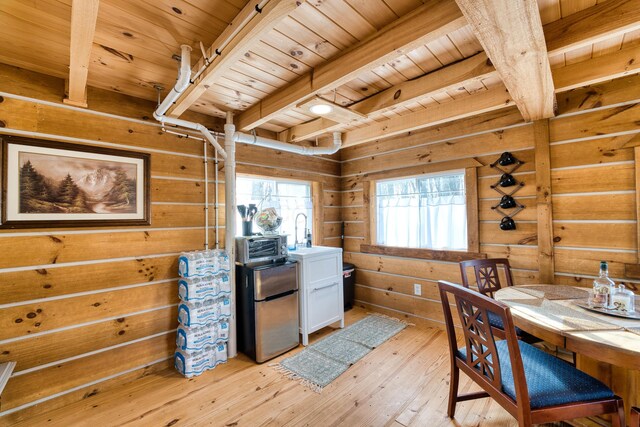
x=603, y=287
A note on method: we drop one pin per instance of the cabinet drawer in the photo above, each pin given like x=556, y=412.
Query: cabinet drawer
x=324, y=303
x=323, y=268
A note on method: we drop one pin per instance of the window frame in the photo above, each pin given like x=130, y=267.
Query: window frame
x=471, y=189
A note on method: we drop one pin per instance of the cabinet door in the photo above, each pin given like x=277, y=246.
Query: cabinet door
x=324, y=303
x=320, y=269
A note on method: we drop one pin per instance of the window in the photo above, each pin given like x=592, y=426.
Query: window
x=428, y=211
x=288, y=198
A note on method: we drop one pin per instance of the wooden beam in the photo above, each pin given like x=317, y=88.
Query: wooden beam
x=84, y=14
x=253, y=29
x=579, y=29
x=591, y=25
x=308, y=130
x=546, y=263
x=468, y=163
x=512, y=36
x=595, y=70
x=471, y=190
x=434, y=19
x=431, y=254
x=478, y=103
x=451, y=77
x=636, y=158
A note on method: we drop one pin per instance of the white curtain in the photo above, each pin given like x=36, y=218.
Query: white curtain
x=423, y=212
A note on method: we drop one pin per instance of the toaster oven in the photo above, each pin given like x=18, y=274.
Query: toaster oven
x=260, y=248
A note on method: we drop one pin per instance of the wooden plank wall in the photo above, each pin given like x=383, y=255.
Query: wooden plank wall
x=82, y=310
x=593, y=196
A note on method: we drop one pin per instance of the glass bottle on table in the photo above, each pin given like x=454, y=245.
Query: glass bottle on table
x=603, y=288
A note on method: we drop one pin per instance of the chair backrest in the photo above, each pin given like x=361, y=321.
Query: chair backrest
x=635, y=417
x=487, y=272
x=481, y=354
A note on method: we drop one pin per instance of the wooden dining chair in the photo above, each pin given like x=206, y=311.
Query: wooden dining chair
x=487, y=274
x=635, y=417
x=533, y=386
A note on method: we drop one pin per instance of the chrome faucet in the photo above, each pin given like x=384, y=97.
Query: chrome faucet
x=296, y=227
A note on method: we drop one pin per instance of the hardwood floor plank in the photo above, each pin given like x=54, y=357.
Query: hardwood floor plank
x=403, y=383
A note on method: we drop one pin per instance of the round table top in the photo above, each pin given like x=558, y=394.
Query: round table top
x=551, y=313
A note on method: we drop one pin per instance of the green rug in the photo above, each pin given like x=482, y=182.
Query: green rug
x=322, y=362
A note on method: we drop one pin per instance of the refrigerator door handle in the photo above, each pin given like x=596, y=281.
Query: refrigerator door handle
x=271, y=298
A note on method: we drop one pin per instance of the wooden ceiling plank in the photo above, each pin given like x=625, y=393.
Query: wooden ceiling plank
x=433, y=20
x=471, y=105
x=475, y=68
x=348, y=18
x=589, y=26
x=293, y=48
x=374, y=11
x=594, y=70
x=512, y=36
x=84, y=14
x=598, y=69
x=272, y=13
x=320, y=24
x=448, y=78
x=307, y=38
x=473, y=72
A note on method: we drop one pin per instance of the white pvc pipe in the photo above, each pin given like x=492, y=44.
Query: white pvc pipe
x=180, y=86
x=217, y=203
x=245, y=138
x=230, y=224
x=206, y=197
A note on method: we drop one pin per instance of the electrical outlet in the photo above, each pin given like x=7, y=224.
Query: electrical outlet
x=417, y=289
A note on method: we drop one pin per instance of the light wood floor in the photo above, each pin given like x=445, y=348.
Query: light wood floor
x=404, y=382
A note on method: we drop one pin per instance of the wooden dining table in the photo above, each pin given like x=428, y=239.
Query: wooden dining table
x=606, y=346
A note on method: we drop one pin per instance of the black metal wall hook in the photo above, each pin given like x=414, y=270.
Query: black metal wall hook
x=507, y=163
x=507, y=159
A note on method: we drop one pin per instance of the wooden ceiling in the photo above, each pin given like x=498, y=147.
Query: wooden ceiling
x=345, y=51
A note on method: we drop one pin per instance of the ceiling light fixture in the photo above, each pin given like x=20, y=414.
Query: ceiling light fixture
x=321, y=109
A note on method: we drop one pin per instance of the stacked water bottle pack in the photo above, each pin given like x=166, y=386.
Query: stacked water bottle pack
x=204, y=311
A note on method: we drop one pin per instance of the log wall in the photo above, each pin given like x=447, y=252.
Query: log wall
x=593, y=197
x=83, y=310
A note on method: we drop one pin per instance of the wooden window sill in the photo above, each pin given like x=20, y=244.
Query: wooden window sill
x=431, y=254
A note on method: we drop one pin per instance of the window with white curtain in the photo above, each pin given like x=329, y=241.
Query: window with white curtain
x=288, y=198
x=427, y=211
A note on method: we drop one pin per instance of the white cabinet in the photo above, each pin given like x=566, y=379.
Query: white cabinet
x=321, y=300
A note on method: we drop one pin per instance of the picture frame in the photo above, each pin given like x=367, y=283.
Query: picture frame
x=49, y=184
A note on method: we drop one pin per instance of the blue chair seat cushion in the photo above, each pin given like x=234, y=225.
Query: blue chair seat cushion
x=496, y=322
x=550, y=381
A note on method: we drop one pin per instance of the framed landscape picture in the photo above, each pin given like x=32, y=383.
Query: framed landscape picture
x=55, y=184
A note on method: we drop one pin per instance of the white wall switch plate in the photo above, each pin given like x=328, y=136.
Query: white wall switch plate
x=417, y=289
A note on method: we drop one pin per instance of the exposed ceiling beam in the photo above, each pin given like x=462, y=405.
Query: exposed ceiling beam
x=84, y=14
x=253, y=27
x=480, y=102
x=432, y=20
x=451, y=77
x=598, y=69
x=591, y=25
x=511, y=34
x=308, y=130
x=595, y=70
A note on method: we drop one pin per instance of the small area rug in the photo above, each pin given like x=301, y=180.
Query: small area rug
x=322, y=362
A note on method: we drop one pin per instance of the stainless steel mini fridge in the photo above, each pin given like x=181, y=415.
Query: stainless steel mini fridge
x=267, y=309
